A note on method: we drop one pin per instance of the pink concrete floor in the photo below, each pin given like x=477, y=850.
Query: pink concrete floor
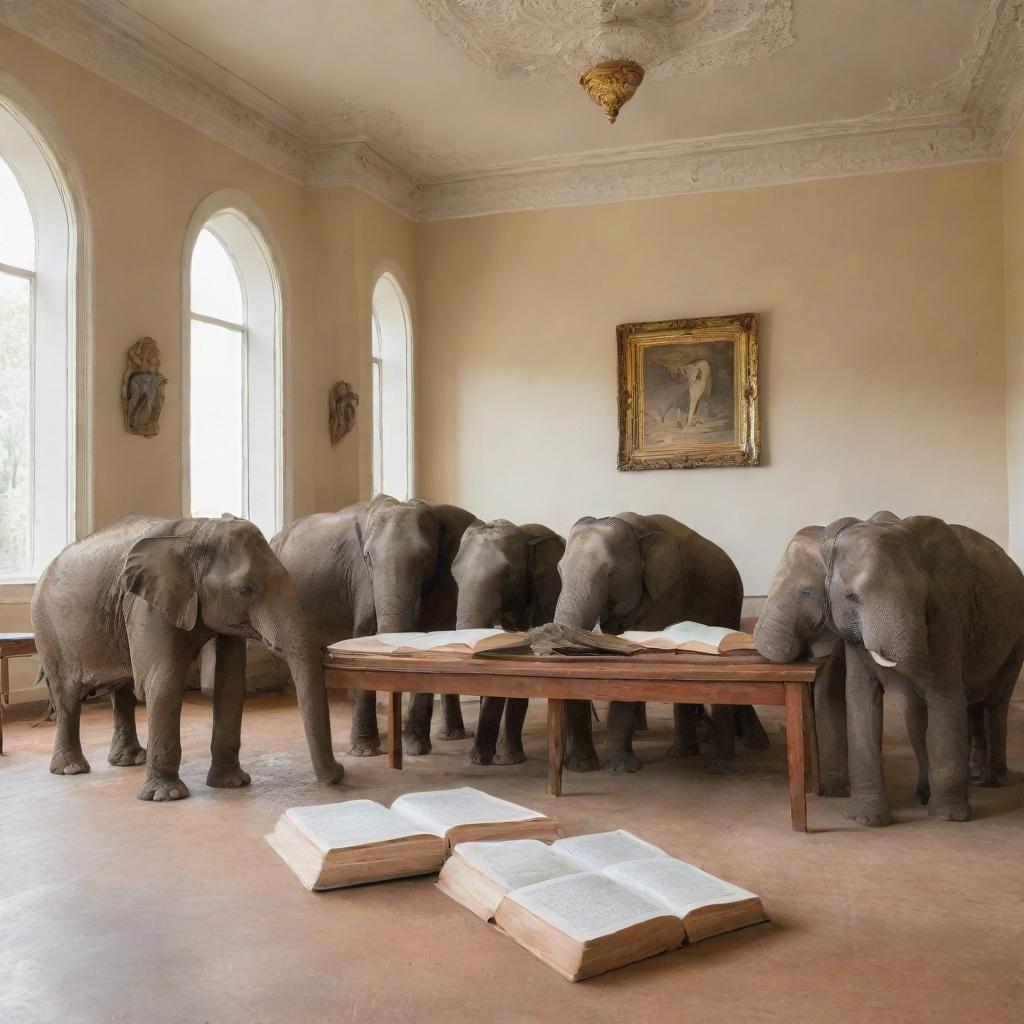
x=113, y=910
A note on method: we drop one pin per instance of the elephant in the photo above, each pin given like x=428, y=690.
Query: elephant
x=379, y=566
x=127, y=610
x=936, y=610
x=631, y=571
x=506, y=575
x=794, y=624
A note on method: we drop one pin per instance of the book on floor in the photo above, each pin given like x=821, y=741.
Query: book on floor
x=450, y=641
x=329, y=846
x=589, y=904
x=694, y=637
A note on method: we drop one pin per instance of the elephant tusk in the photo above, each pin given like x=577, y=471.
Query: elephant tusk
x=879, y=660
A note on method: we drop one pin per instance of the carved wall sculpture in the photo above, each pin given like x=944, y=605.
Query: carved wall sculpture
x=341, y=407
x=142, y=389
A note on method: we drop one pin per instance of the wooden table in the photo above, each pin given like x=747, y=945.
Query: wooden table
x=12, y=645
x=673, y=678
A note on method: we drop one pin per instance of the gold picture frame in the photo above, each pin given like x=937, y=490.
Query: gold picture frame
x=688, y=393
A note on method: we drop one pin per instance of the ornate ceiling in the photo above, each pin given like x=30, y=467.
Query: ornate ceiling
x=448, y=108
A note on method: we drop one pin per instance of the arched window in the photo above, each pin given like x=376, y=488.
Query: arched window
x=391, y=341
x=234, y=375
x=37, y=313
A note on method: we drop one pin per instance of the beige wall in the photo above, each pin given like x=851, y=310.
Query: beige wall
x=1013, y=235
x=143, y=174
x=882, y=360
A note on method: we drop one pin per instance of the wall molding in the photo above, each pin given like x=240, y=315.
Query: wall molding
x=967, y=117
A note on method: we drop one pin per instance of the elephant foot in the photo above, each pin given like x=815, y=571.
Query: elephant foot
x=683, y=748
x=949, y=810
x=68, y=762
x=365, y=748
x=332, y=774
x=126, y=754
x=834, y=787
x=160, y=789
x=481, y=757
x=227, y=777
x=624, y=761
x=873, y=813
x=510, y=755
x=415, y=746
x=581, y=762
x=459, y=732
x=923, y=791
x=755, y=739
x=714, y=766
x=986, y=778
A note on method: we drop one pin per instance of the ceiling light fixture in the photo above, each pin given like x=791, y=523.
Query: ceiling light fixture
x=611, y=84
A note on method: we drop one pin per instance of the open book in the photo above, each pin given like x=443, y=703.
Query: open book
x=328, y=846
x=451, y=641
x=589, y=904
x=692, y=636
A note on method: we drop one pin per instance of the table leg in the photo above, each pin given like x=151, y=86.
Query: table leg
x=395, y=730
x=5, y=690
x=813, y=773
x=556, y=720
x=796, y=755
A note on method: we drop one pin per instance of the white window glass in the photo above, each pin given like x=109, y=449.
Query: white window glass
x=216, y=289
x=17, y=232
x=15, y=423
x=391, y=344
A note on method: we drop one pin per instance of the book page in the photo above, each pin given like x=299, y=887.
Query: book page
x=379, y=643
x=599, y=850
x=442, y=638
x=586, y=906
x=350, y=823
x=514, y=863
x=442, y=809
x=678, y=886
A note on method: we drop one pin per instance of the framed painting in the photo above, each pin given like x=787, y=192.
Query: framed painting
x=688, y=393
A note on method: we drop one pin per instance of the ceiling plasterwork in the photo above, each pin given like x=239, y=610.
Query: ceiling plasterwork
x=547, y=40
x=967, y=116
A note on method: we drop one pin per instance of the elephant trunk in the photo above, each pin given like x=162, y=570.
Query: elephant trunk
x=478, y=610
x=776, y=636
x=287, y=636
x=580, y=607
x=896, y=642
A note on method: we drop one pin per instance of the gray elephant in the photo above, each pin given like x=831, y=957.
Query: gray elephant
x=136, y=601
x=794, y=624
x=647, y=572
x=380, y=566
x=507, y=576
x=936, y=610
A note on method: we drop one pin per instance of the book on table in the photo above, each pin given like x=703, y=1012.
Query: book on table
x=329, y=846
x=694, y=637
x=588, y=904
x=450, y=641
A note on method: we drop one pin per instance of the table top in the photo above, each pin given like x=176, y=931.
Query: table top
x=745, y=666
x=15, y=644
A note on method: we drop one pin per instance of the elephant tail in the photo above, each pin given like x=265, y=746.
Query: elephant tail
x=50, y=707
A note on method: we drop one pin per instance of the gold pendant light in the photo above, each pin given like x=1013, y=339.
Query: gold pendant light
x=611, y=84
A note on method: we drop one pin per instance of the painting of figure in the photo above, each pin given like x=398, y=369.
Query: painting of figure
x=688, y=393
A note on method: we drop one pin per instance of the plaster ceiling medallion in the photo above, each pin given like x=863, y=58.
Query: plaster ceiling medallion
x=555, y=40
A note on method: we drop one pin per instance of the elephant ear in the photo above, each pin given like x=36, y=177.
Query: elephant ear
x=545, y=549
x=662, y=563
x=942, y=555
x=157, y=570
x=831, y=534
x=452, y=523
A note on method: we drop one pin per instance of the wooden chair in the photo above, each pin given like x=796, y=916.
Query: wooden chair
x=12, y=645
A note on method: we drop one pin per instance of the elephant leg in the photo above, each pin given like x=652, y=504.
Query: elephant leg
x=997, y=708
x=510, y=746
x=228, y=698
x=684, y=741
x=720, y=752
x=620, y=737
x=915, y=714
x=125, y=748
x=580, y=755
x=163, y=682
x=487, y=724
x=869, y=803
x=364, y=738
x=640, y=717
x=416, y=734
x=452, y=725
x=949, y=751
x=67, y=758
x=977, y=720
x=750, y=729
x=830, y=728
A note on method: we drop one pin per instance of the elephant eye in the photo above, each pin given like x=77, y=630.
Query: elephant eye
x=806, y=593
x=247, y=590
x=853, y=598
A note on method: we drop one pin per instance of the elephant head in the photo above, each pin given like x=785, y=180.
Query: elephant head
x=507, y=575
x=612, y=571
x=408, y=548
x=889, y=583
x=794, y=622
x=220, y=576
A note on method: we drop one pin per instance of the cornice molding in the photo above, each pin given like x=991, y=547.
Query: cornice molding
x=968, y=117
